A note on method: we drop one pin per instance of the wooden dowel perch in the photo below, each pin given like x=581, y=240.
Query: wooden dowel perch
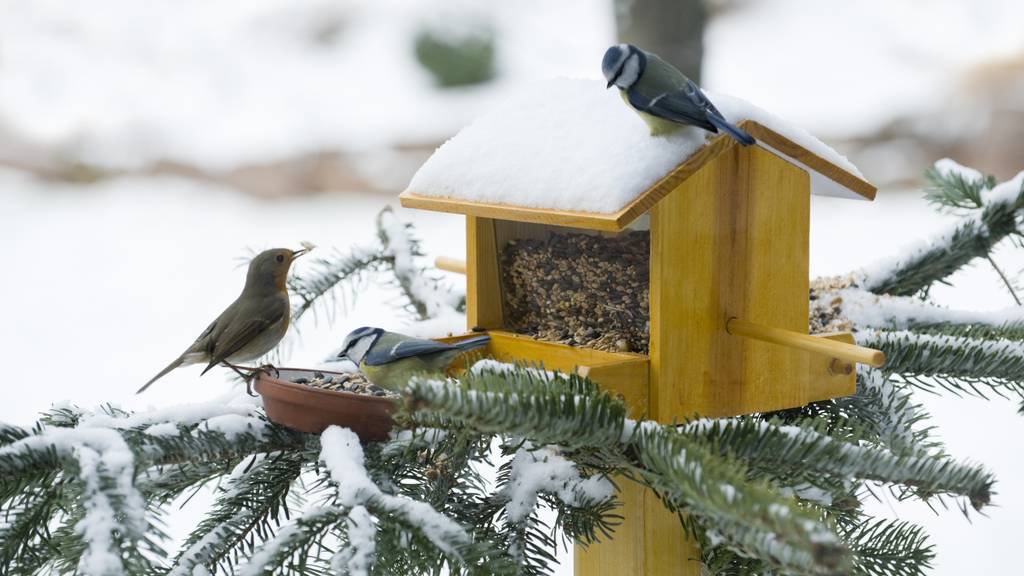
x=450, y=264
x=841, y=350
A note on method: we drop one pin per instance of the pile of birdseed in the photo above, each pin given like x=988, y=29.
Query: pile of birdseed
x=354, y=382
x=580, y=289
x=826, y=306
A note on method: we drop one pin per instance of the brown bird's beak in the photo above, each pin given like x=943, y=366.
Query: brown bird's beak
x=306, y=247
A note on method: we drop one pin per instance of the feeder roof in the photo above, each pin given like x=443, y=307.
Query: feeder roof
x=570, y=152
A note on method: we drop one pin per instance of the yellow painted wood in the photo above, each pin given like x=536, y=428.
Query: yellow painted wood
x=449, y=264
x=573, y=219
x=829, y=347
x=622, y=373
x=483, y=280
x=829, y=377
x=626, y=378
x=732, y=241
x=827, y=169
x=617, y=221
x=625, y=552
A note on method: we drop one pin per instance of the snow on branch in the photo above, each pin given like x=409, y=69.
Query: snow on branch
x=994, y=218
x=865, y=309
x=113, y=517
x=535, y=470
x=396, y=249
x=342, y=454
x=427, y=296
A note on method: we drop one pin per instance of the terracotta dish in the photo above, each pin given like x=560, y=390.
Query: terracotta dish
x=308, y=409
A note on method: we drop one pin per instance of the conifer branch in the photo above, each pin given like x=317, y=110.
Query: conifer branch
x=990, y=222
x=958, y=364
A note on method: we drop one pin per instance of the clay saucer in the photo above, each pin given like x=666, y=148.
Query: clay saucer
x=308, y=409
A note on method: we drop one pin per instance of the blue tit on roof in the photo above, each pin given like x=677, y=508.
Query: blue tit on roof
x=662, y=95
x=389, y=359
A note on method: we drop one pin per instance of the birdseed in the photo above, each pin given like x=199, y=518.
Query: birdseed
x=583, y=290
x=350, y=382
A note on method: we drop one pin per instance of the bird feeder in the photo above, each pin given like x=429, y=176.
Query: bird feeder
x=728, y=305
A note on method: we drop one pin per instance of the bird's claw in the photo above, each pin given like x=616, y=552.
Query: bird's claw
x=267, y=369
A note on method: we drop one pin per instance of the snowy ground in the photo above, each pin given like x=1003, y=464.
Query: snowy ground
x=111, y=283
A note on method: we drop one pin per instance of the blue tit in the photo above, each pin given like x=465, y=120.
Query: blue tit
x=662, y=95
x=389, y=359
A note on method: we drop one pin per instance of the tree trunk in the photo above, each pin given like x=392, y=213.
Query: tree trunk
x=672, y=29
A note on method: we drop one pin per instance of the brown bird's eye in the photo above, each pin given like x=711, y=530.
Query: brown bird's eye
x=280, y=257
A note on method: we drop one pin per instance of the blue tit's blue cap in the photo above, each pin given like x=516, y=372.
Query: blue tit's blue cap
x=613, y=61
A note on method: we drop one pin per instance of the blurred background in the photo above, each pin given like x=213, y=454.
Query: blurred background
x=147, y=146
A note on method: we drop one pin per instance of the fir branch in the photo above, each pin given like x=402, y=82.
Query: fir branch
x=344, y=461
x=958, y=364
x=753, y=519
x=253, y=502
x=1013, y=330
x=783, y=452
x=298, y=546
x=331, y=272
x=956, y=189
x=887, y=547
x=993, y=217
x=572, y=412
x=427, y=296
x=972, y=238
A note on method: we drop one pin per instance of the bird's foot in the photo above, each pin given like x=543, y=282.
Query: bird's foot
x=267, y=369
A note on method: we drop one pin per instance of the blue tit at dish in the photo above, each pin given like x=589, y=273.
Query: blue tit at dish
x=389, y=359
x=662, y=95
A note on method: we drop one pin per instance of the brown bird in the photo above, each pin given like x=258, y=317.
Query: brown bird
x=252, y=325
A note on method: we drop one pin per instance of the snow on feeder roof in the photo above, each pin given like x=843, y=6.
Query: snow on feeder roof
x=570, y=152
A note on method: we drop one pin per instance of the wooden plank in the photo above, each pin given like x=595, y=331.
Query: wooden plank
x=511, y=346
x=689, y=290
x=731, y=241
x=828, y=378
x=625, y=552
x=570, y=218
x=776, y=287
x=625, y=378
x=667, y=550
x=483, y=281
x=820, y=165
x=616, y=221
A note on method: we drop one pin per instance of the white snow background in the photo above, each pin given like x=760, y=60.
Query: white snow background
x=104, y=284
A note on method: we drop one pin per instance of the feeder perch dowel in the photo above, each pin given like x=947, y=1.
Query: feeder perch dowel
x=450, y=264
x=836, y=349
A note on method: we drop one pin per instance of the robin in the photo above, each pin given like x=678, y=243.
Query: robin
x=252, y=325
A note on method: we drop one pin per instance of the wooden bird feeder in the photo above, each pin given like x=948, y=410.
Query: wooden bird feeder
x=728, y=330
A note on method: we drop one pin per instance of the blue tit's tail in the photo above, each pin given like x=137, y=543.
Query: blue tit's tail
x=740, y=135
x=472, y=343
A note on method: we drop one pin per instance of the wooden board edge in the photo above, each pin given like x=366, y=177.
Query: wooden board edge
x=566, y=218
x=828, y=377
x=813, y=161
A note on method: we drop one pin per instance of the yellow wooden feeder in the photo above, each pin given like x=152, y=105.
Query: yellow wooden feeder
x=729, y=230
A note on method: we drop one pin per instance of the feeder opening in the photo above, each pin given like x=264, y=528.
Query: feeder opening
x=576, y=287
